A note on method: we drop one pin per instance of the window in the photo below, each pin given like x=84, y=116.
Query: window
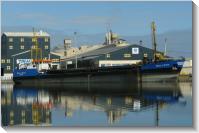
x=108, y=55
x=55, y=60
x=33, y=47
x=22, y=39
x=127, y=55
x=145, y=55
x=46, y=47
x=10, y=39
x=34, y=39
x=8, y=60
x=8, y=67
x=2, y=61
x=46, y=39
x=10, y=47
x=22, y=46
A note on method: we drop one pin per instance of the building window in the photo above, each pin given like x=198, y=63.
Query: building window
x=46, y=47
x=22, y=46
x=108, y=55
x=145, y=55
x=2, y=61
x=8, y=67
x=22, y=39
x=10, y=39
x=10, y=47
x=127, y=55
x=46, y=39
x=8, y=60
x=55, y=60
x=34, y=39
x=33, y=46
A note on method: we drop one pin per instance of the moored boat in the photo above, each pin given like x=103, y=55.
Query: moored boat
x=159, y=71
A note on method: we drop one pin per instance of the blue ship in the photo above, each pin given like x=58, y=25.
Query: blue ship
x=150, y=72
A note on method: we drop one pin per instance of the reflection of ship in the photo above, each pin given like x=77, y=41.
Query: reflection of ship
x=34, y=106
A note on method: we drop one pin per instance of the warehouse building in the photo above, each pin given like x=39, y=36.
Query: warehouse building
x=110, y=55
x=20, y=45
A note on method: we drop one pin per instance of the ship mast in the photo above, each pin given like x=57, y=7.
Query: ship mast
x=154, y=44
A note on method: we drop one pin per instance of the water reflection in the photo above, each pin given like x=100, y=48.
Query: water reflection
x=42, y=106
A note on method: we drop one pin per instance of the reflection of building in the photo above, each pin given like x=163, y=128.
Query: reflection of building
x=34, y=106
x=115, y=107
x=25, y=108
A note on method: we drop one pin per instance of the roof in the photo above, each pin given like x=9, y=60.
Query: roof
x=103, y=50
x=100, y=51
x=55, y=54
x=26, y=34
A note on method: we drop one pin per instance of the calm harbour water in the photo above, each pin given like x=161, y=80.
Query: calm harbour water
x=151, y=104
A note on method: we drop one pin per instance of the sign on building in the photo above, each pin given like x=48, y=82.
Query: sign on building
x=24, y=61
x=135, y=50
x=69, y=62
x=67, y=41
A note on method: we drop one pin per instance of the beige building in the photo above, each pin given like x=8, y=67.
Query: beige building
x=68, y=52
x=187, y=67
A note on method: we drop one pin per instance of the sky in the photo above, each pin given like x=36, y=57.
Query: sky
x=126, y=18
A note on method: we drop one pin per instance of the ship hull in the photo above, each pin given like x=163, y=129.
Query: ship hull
x=105, y=75
x=155, y=72
x=162, y=75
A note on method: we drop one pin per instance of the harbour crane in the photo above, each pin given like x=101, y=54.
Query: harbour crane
x=36, y=52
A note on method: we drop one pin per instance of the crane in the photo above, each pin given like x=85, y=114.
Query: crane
x=35, y=49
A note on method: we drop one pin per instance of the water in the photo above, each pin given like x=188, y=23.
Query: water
x=150, y=104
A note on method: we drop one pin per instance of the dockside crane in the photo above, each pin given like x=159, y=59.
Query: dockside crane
x=36, y=52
